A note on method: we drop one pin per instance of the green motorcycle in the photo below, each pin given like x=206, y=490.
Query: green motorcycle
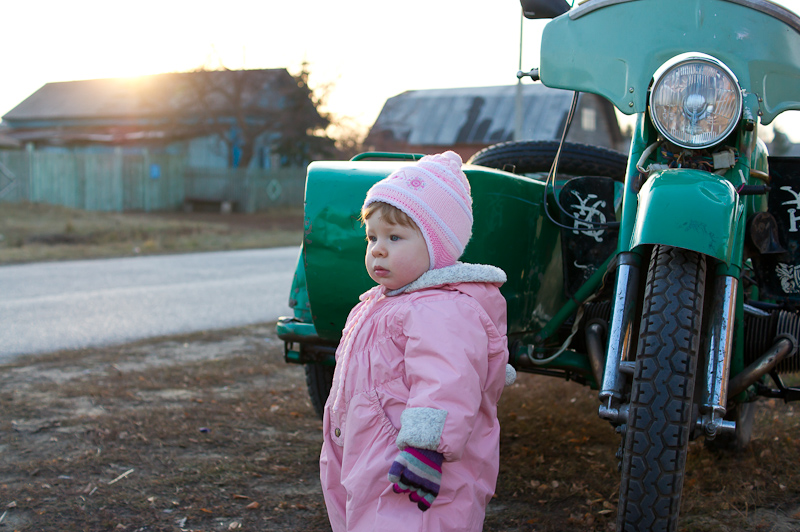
x=668, y=279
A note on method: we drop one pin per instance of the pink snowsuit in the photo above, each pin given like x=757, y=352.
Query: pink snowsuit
x=426, y=370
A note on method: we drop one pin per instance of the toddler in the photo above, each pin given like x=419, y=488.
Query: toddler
x=411, y=437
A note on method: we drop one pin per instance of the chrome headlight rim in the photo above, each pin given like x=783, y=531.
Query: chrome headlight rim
x=698, y=58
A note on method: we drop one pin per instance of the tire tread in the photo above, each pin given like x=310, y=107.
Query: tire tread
x=659, y=423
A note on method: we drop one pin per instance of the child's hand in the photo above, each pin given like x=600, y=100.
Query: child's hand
x=417, y=472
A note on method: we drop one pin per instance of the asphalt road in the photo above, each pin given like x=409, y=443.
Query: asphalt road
x=46, y=307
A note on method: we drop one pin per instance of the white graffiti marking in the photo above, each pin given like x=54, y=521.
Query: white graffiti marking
x=793, y=218
x=588, y=216
x=789, y=276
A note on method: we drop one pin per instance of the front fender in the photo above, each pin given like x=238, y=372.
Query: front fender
x=689, y=209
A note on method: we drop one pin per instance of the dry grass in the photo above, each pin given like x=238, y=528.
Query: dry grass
x=40, y=232
x=558, y=459
x=197, y=432
x=220, y=435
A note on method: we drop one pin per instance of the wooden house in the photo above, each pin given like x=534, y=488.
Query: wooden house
x=215, y=118
x=7, y=142
x=468, y=119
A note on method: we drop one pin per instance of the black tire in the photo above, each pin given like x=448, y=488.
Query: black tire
x=531, y=156
x=319, y=379
x=744, y=415
x=660, y=417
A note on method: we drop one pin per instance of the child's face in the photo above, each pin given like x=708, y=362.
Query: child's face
x=396, y=254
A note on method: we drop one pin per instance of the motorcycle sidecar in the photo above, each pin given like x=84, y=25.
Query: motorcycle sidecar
x=510, y=231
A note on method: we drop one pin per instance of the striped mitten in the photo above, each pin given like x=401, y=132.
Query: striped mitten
x=417, y=472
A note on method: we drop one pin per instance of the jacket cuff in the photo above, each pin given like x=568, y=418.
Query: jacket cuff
x=421, y=428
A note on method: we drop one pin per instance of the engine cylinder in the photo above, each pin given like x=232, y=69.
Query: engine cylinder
x=761, y=332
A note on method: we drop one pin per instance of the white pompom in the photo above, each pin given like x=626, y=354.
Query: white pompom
x=511, y=375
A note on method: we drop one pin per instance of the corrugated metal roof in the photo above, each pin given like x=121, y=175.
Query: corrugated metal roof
x=474, y=115
x=144, y=96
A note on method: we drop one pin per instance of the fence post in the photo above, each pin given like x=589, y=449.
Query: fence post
x=32, y=178
x=145, y=180
x=116, y=181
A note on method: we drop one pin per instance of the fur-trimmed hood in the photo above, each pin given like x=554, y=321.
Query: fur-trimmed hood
x=470, y=279
x=460, y=272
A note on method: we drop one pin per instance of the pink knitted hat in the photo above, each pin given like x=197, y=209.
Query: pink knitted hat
x=435, y=193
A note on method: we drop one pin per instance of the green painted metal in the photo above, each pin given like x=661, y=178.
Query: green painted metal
x=510, y=231
x=377, y=155
x=588, y=54
x=296, y=328
x=298, y=297
x=689, y=199
x=643, y=136
x=294, y=333
x=689, y=209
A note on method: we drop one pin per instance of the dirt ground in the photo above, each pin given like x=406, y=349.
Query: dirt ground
x=213, y=431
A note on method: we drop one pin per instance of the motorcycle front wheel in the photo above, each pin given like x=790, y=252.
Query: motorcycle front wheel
x=659, y=423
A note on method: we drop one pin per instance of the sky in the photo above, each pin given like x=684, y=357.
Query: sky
x=363, y=51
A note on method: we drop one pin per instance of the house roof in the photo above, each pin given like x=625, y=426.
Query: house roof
x=150, y=109
x=474, y=115
x=118, y=98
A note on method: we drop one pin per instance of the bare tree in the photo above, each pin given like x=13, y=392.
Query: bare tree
x=349, y=136
x=304, y=127
x=247, y=107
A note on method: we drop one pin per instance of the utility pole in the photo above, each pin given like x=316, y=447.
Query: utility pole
x=518, y=100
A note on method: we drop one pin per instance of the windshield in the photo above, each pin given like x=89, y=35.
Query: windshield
x=769, y=8
x=758, y=40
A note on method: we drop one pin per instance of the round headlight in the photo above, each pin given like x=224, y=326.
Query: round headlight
x=695, y=101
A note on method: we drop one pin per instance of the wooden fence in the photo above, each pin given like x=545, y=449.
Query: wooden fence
x=247, y=190
x=140, y=182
